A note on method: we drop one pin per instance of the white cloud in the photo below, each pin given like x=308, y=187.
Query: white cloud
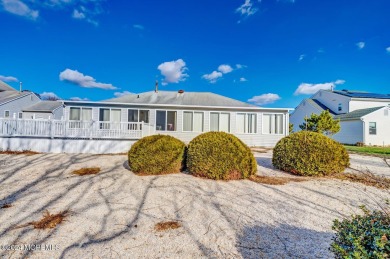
x=138, y=26
x=212, y=77
x=86, y=10
x=247, y=9
x=306, y=88
x=78, y=14
x=17, y=7
x=301, y=57
x=239, y=66
x=77, y=78
x=243, y=79
x=78, y=99
x=49, y=96
x=173, y=71
x=225, y=69
x=264, y=99
x=8, y=79
x=120, y=94
x=388, y=50
x=361, y=45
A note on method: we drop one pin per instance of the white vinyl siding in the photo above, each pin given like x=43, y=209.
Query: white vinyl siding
x=193, y=121
x=246, y=123
x=273, y=124
x=220, y=121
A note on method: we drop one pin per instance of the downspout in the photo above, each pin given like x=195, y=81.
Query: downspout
x=364, y=131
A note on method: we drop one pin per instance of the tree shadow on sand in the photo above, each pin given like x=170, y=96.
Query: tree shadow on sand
x=283, y=241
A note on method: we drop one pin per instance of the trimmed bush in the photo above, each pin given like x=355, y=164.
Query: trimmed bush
x=220, y=156
x=362, y=236
x=157, y=154
x=310, y=154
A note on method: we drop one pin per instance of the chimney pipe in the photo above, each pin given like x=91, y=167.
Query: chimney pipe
x=20, y=86
x=156, y=89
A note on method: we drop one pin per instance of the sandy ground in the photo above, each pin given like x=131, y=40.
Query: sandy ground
x=113, y=213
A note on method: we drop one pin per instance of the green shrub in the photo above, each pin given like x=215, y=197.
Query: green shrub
x=310, y=154
x=362, y=236
x=219, y=155
x=157, y=154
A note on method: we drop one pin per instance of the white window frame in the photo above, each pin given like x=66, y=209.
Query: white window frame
x=283, y=127
x=219, y=118
x=246, y=121
x=20, y=115
x=376, y=128
x=138, y=110
x=9, y=114
x=166, y=120
x=110, y=114
x=81, y=112
x=182, y=124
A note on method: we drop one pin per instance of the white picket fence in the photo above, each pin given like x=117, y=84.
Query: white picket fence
x=70, y=129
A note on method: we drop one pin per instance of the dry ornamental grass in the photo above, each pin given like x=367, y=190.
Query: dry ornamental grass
x=24, y=152
x=87, y=171
x=273, y=180
x=163, y=226
x=6, y=206
x=48, y=221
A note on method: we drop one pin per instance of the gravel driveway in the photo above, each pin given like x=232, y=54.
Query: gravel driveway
x=113, y=214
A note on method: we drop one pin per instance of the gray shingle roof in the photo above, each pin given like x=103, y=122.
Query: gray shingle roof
x=358, y=94
x=6, y=96
x=43, y=106
x=175, y=98
x=5, y=87
x=319, y=106
x=357, y=114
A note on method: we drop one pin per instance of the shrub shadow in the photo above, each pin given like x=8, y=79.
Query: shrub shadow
x=283, y=241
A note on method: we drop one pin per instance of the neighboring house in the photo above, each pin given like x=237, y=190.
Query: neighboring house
x=185, y=115
x=12, y=101
x=364, y=117
x=44, y=110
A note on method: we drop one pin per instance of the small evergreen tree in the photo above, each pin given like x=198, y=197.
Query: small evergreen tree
x=322, y=123
x=290, y=128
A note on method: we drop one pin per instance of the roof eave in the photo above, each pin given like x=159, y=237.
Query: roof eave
x=177, y=105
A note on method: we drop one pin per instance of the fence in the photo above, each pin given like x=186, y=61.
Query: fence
x=70, y=129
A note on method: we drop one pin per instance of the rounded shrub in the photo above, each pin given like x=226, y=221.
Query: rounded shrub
x=362, y=236
x=157, y=154
x=219, y=155
x=310, y=154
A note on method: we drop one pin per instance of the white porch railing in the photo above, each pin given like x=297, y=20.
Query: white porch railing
x=71, y=129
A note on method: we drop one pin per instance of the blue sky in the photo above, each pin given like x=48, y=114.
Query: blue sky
x=272, y=53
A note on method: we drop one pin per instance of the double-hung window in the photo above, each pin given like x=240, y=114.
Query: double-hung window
x=246, y=123
x=109, y=118
x=372, y=128
x=273, y=124
x=134, y=115
x=6, y=114
x=166, y=120
x=219, y=121
x=193, y=121
x=79, y=114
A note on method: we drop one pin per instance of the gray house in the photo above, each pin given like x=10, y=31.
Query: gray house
x=185, y=115
x=13, y=101
x=44, y=110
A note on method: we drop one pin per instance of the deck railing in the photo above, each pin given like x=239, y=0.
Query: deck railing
x=70, y=129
